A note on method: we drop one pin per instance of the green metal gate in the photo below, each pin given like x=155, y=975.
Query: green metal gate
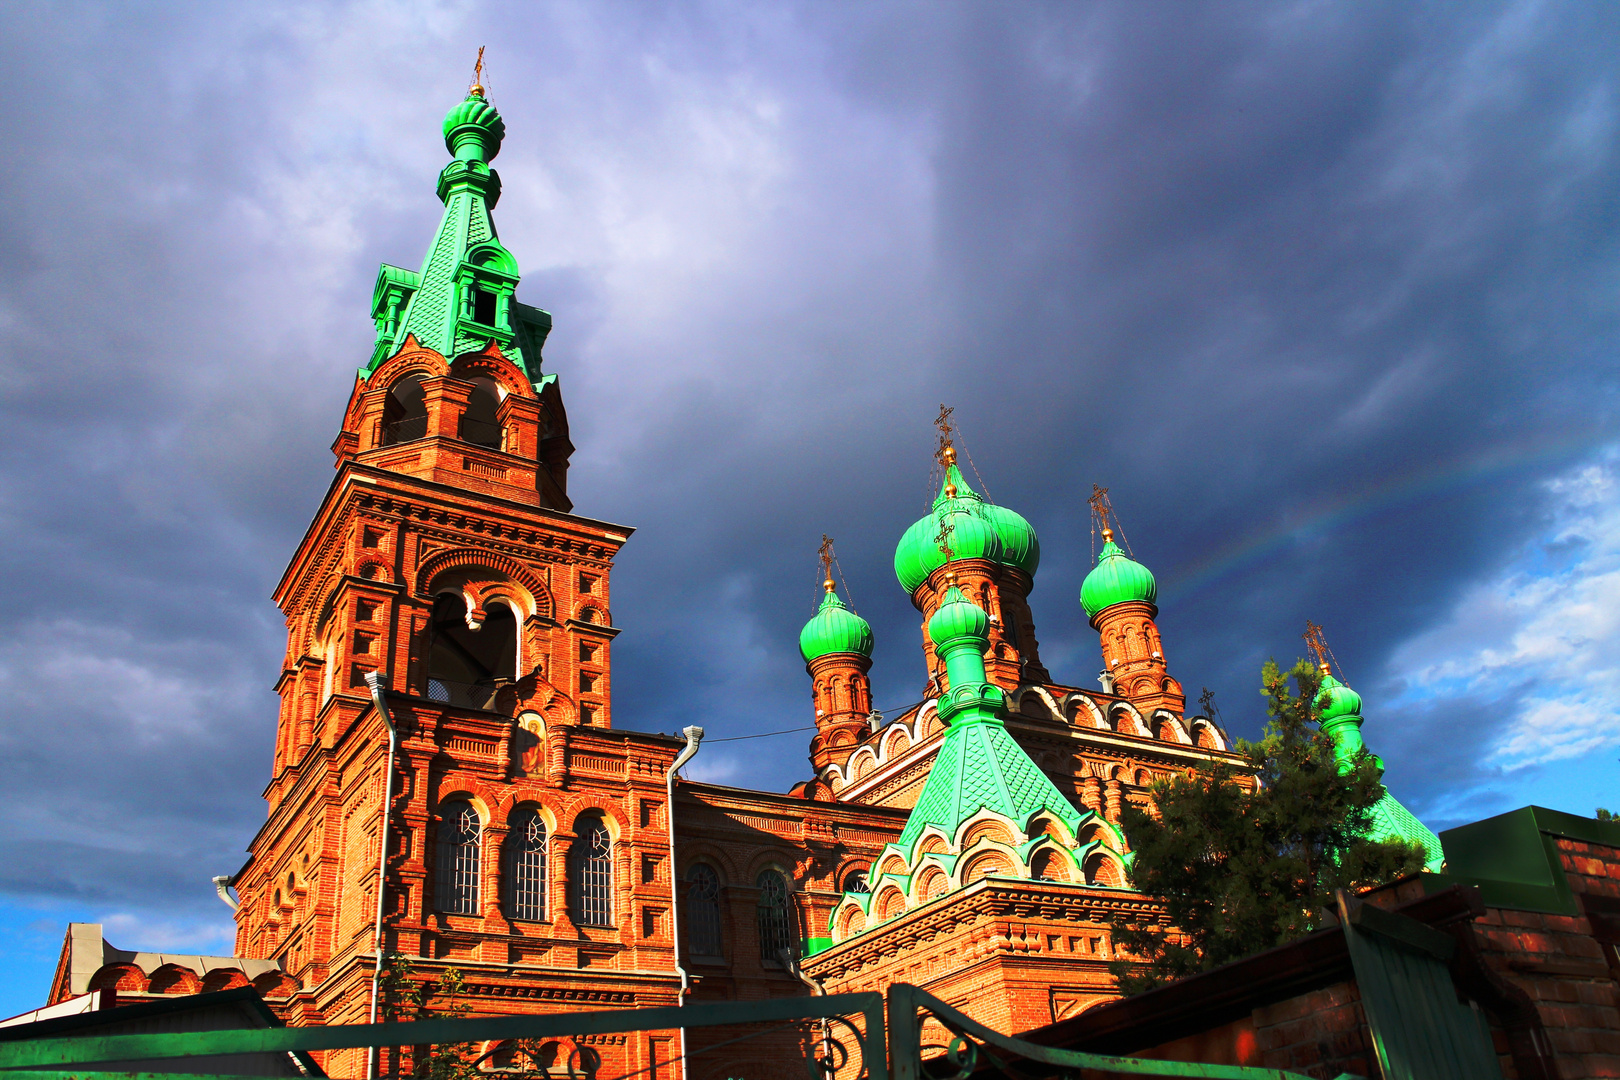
x=862, y=1037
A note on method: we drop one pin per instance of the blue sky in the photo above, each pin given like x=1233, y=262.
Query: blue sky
x=1325, y=294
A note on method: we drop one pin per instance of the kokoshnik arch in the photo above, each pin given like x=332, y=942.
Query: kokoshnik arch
x=970, y=846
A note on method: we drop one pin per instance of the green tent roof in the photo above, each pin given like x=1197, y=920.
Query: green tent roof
x=440, y=304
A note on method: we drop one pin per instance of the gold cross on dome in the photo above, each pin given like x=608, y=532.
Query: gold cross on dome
x=1316, y=642
x=824, y=553
x=478, y=74
x=943, y=539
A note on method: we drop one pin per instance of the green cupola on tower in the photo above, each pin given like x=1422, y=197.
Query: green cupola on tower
x=1115, y=579
x=1340, y=717
x=977, y=530
x=464, y=296
x=834, y=629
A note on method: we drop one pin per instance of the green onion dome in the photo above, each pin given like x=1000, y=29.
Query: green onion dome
x=1115, y=579
x=1336, y=699
x=1020, y=547
x=974, y=533
x=834, y=629
x=473, y=129
x=958, y=617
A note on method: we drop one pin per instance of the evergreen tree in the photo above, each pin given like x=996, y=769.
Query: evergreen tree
x=1243, y=870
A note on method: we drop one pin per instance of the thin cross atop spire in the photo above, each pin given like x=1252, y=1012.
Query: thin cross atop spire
x=477, y=87
x=1316, y=642
x=1104, y=520
x=824, y=553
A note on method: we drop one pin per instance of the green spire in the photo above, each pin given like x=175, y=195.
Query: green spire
x=979, y=765
x=834, y=629
x=1115, y=579
x=1341, y=719
x=464, y=295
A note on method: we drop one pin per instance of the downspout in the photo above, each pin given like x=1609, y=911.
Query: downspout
x=374, y=680
x=694, y=736
x=222, y=885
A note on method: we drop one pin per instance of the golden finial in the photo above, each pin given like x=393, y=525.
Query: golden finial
x=950, y=578
x=1108, y=535
x=825, y=554
x=477, y=87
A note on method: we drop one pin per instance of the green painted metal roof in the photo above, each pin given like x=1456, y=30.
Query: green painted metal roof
x=957, y=617
x=1114, y=580
x=980, y=766
x=1392, y=821
x=435, y=304
x=834, y=629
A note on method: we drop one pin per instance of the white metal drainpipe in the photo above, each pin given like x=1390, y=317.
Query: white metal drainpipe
x=694, y=736
x=375, y=680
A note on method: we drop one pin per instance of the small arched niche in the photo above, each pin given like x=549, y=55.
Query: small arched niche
x=479, y=424
x=405, y=415
x=468, y=667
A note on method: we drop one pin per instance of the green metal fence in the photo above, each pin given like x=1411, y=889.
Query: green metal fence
x=861, y=1037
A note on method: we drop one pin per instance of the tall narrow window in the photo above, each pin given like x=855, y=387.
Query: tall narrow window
x=593, y=874
x=484, y=307
x=459, y=833
x=775, y=925
x=527, y=898
x=703, y=910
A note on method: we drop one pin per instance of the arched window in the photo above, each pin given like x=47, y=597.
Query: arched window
x=775, y=923
x=479, y=424
x=459, y=834
x=855, y=882
x=526, y=897
x=405, y=412
x=703, y=910
x=593, y=874
x=467, y=667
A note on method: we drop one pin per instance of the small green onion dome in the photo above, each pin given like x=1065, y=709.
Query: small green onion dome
x=1337, y=699
x=958, y=617
x=975, y=533
x=1115, y=579
x=834, y=629
x=474, y=129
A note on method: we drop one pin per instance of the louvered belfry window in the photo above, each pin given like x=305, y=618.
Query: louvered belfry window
x=528, y=876
x=593, y=874
x=703, y=910
x=775, y=926
x=459, y=834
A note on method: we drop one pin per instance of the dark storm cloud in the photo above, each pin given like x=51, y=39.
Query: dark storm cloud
x=1282, y=276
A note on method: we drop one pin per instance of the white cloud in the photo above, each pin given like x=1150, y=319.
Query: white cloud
x=1545, y=631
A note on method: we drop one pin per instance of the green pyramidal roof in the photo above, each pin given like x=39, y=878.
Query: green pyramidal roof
x=1392, y=821
x=464, y=295
x=980, y=766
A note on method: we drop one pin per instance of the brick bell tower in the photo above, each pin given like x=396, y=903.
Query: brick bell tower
x=525, y=841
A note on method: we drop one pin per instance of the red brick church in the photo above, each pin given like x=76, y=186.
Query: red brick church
x=448, y=587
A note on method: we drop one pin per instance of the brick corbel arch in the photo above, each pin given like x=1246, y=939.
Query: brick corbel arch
x=504, y=565
x=412, y=359
x=491, y=363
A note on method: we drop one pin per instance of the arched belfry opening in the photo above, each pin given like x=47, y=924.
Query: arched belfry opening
x=468, y=667
x=405, y=417
x=479, y=424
